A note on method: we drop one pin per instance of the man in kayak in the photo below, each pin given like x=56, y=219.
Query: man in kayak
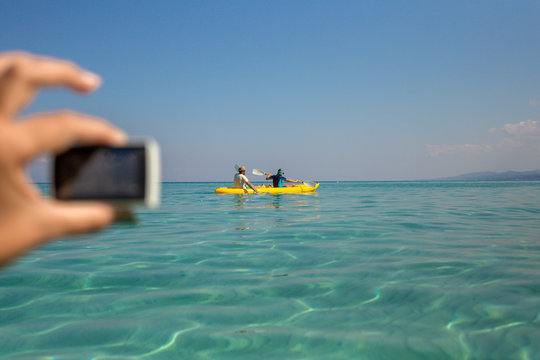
x=241, y=180
x=279, y=178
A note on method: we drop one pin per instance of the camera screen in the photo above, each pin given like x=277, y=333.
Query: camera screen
x=101, y=173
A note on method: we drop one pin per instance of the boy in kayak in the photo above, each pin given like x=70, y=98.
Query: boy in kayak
x=279, y=178
x=241, y=180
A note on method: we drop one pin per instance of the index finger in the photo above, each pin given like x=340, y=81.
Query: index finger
x=22, y=74
x=56, y=132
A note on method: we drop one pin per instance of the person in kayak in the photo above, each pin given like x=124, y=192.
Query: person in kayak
x=241, y=180
x=279, y=178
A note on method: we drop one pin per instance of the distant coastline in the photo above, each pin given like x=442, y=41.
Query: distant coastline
x=533, y=175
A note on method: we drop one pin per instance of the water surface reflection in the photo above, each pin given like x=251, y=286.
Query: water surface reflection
x=270, y=210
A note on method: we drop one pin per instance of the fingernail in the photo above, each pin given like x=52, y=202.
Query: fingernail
x=120, y=137
x=91, y=80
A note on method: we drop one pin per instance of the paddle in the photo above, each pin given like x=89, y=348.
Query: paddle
x=260, y=172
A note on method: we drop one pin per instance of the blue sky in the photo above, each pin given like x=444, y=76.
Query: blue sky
x=328, y=90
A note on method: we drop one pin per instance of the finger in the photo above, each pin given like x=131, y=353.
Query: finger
x=22, y=74
x=56, y=132
x=62, y=218
x=48, y=71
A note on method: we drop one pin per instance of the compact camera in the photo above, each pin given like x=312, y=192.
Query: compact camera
x=124, y=176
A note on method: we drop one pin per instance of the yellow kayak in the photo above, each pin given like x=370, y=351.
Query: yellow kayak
x=295, y=189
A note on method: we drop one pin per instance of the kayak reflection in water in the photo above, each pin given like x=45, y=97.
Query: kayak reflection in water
x=241, y=180
x=278, y=178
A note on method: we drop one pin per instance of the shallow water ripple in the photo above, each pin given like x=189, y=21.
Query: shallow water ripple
x=355, y=271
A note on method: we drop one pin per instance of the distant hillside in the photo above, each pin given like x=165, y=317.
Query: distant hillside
x=533, y=175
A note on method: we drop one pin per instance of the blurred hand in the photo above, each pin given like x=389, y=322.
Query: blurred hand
x=27, y=218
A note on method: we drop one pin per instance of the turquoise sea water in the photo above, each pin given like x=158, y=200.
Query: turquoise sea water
x=358, y=270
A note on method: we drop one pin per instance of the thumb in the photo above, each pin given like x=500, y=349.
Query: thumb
x=68, y=218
